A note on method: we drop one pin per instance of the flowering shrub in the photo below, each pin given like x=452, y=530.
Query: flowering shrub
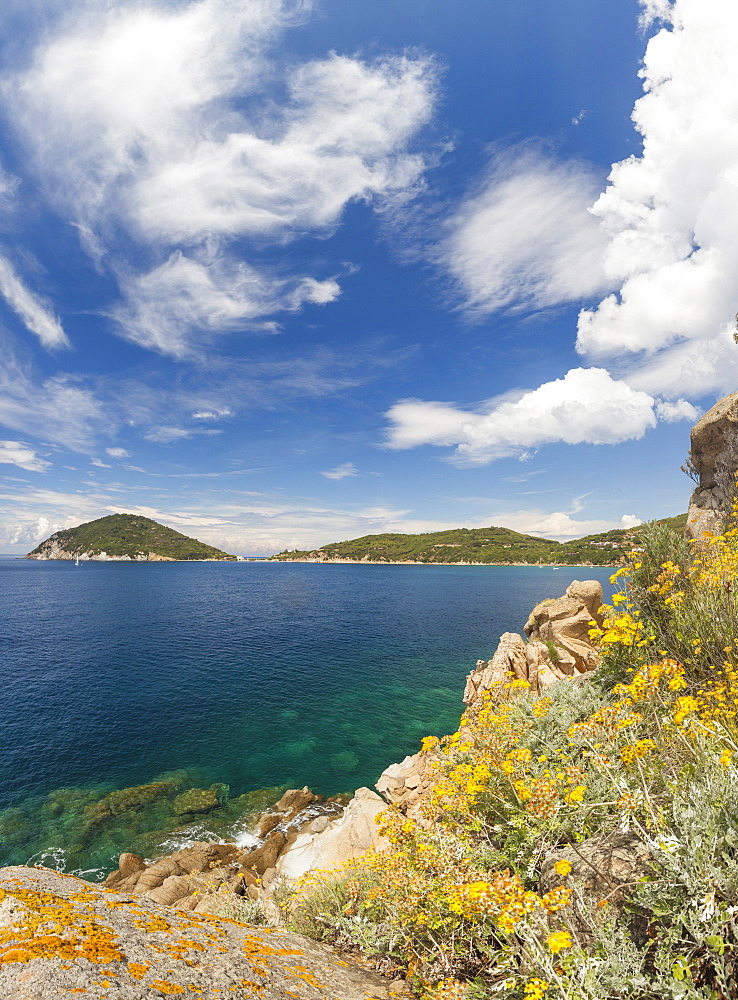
x=646, y=748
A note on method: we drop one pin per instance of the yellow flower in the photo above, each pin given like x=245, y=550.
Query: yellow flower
x=559, y=942
x=562, y=867
x=725, y=757
x=535, y=989
x=576, y=795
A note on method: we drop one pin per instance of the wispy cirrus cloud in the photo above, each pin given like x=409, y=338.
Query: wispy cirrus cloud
x=36, y=313
x=524, y=238
x=170, y=133
x=344, y=471
x=22, y=455
x=63, y=409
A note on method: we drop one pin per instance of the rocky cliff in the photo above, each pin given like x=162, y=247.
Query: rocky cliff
x=713, y=460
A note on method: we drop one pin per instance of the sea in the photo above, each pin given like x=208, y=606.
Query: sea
x=147, y=705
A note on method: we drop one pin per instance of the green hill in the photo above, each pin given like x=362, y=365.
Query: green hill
x=124, y=536
x=481, y=545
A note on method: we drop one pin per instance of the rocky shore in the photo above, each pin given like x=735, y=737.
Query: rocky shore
x=182, y=905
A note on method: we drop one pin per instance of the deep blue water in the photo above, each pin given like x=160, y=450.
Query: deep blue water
x=252, y=674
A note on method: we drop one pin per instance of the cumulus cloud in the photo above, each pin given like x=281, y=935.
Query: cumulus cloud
x=344, y=471
x=35, y=312
x=28, y=534
x=586, y=406
x=16, y=453
x=662, y=240
x=117, y=453
x=526, y=239
x=561, y=525
x=162, y=123
x=672, y=411
x=671, y=214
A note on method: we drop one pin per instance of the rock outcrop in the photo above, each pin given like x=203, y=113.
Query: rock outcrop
x=604, y=869
x=327, y=844
x=406, y=784
x=559, y=645
x=61, y=936
x=302, y=831
x=714, y=459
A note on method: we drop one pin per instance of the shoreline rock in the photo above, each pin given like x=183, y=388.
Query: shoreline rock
x=61, y=935
x=713, y=458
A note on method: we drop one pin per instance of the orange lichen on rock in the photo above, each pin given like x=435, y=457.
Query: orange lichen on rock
x=53, y=927
x=167, y=988
x=153, y=924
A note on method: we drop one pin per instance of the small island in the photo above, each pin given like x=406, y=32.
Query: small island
x=125, y=538
x=480, y=546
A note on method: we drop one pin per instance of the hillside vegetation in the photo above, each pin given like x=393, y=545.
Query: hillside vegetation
x=121, y=535
x=581, y=845
x=481, y=545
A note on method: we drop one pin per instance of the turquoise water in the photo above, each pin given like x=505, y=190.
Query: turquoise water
x=254, y=676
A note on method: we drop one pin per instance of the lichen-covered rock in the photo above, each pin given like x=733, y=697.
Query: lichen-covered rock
x=604, y=869
x=714, y=457
x=61, y=936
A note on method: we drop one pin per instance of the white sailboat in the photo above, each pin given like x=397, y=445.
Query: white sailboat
x=76, y=561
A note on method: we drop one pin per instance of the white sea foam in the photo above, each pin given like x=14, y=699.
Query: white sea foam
x=244, y=838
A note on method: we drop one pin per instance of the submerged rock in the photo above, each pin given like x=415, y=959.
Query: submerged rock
x=196, y=800
x=59, y=935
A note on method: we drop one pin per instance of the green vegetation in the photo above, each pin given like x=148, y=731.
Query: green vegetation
x=483, y=545
x=582, y=845
x=126, y=535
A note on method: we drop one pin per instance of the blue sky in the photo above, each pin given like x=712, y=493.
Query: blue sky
x=279, y=273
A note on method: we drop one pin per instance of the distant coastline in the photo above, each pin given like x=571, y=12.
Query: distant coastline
x=411, y=562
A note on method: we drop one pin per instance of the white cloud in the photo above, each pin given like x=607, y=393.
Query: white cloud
x=526, y=239
x=28, y=535
x=671, y=214
x=118, y=452
x=663, y=236
x=218, y=414
x=560, y=524
x=167, y=435
x=184, y=301
x=163, y=122
x=653, y=10
x=16, y=453
x=36, y=314
x=586, y=406
x=60, y=409
x=100, y=464
x=341, y=471
x=671, y=412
